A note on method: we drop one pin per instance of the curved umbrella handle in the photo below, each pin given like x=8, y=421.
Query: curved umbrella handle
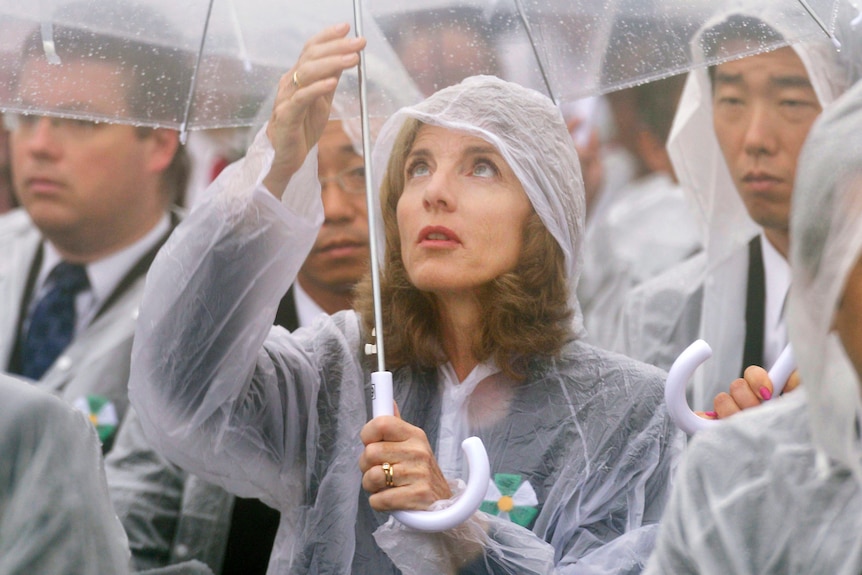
x=465, y=504
x=683, y=368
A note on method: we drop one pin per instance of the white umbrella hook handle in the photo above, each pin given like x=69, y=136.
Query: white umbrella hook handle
x=683, y=368
x=465, y=504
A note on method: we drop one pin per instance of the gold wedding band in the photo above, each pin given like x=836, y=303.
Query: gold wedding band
x=295, y=80
x=389, y=475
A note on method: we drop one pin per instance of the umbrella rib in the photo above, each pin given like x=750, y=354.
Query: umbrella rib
x=184, y=126
x=820, y=23
x=370, y=196
x=542, y=70
x=48, y=47
x=240, y=37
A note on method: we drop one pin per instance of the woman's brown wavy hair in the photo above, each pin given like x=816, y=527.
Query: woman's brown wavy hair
x=526, y=311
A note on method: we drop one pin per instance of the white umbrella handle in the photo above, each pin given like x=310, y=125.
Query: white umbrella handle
x=465, y=504
x=683, y=368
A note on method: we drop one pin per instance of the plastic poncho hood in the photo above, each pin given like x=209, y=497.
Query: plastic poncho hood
x=826, y=242
x=55, y=513
x=529, y=132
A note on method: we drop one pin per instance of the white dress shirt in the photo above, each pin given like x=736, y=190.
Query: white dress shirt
x=776, y=272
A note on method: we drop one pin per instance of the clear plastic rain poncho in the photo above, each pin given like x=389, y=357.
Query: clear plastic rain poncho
x=584, y=455
x=779, y=489
x=655, y=330
x=55, y=514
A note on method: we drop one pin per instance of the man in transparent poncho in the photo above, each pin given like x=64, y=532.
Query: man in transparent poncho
x=55, y=515
x=734, y=146
x=790, y=500
x=482, y=205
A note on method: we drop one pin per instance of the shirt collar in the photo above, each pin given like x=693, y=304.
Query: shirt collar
x=107, y=273
x=307, y=309
x=777, y=273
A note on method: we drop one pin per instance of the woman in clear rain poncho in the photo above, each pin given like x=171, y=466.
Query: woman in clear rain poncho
x=779, y=489
x=705, y=296
x=483, y=211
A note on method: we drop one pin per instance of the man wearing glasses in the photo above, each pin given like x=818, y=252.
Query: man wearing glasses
x=95, y=208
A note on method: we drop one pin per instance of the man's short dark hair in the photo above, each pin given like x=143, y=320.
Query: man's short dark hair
x=158, y=73
x=741, y=33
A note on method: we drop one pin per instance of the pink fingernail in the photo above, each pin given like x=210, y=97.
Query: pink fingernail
x=711, y=414
x=765, y=394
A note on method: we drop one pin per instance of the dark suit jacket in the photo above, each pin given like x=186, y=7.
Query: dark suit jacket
x=253, y=525
x=286, y=315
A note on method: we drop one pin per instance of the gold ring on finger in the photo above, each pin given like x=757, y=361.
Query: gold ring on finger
x=296, y=82
x=388, y=474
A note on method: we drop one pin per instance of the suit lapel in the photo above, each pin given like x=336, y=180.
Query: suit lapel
x=21, y=249
x=286, y=316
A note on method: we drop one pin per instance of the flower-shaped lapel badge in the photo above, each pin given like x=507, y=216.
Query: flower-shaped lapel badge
x=509, y=497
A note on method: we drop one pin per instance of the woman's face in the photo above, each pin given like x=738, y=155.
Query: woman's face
x=848, y=317
x=462, y=213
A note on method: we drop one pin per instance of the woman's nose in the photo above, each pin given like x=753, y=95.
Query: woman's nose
x=439, y=192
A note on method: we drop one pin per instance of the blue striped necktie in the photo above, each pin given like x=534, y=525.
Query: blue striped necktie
x=52, y=324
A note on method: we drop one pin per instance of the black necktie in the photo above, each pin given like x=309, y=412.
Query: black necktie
x=52, y=323
x=755, y=307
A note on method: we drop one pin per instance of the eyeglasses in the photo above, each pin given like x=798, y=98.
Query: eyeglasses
x=351, y=180
x=71, y=127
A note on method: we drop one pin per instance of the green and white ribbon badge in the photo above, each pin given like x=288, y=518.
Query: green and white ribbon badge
x=101, y=412
x=509, y=497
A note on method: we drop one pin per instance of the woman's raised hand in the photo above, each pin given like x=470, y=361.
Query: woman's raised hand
x=304, y=99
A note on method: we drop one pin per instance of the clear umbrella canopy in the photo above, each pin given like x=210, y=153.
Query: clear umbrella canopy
x=202, y=64
x=571, y=49
x=211, y=63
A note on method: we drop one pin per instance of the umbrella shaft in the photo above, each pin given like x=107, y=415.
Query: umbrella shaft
x=370, y=196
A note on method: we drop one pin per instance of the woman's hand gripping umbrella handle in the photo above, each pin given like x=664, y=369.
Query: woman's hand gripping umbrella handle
x=465, y=504
x=683, y=368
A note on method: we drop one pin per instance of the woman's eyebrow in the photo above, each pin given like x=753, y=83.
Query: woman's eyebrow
x=468, y=151
x=419, y=152
x=473, y=150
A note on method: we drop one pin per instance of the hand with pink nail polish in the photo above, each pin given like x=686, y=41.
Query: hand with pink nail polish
x=747, y=392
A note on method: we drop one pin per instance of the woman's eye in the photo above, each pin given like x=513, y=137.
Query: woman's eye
x=417, y=169
x=484, y=169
